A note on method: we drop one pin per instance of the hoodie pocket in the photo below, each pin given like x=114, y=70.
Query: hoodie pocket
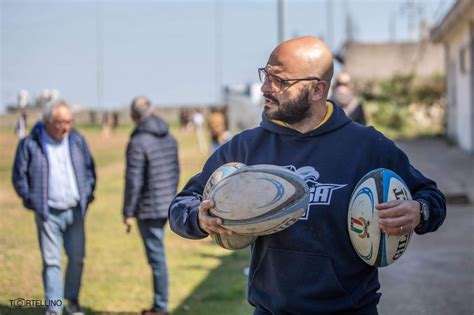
x=296, y=277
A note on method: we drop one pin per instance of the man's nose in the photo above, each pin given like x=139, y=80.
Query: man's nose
x=266, y=87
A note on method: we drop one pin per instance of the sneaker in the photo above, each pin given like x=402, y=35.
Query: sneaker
x=73, y=308
x=153, y=312
x=51, y=313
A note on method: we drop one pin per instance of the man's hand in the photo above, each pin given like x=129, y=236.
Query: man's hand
x=128, y=223
x=398, y=217
x=209, y=223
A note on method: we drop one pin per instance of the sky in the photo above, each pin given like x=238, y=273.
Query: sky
x=101, y=54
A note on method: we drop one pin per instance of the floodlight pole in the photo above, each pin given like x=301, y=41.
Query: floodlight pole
x=281, y=21
x=99, y=52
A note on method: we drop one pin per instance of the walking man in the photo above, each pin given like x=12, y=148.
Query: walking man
x=54, y=175
x=152, y=178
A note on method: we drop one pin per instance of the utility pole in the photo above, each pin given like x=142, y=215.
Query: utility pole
x=99, y=52
x=281, y=21
x=218, y=50
x=393, y=27
x=349, y=25
x=329, y=24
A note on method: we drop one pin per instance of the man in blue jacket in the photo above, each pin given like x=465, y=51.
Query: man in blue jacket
x=311, y=267
x=54, y=175
x=151, y=180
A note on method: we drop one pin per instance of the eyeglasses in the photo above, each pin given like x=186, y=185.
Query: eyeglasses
x=280, y=82
x=60, y=123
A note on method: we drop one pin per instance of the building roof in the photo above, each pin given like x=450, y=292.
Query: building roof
x=461, y=9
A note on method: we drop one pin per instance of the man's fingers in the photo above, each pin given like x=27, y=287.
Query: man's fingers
x=206, y=205
x=395, y=210
x=388, y=205
x=209, y=223
x=397, y=231
x=394, y=222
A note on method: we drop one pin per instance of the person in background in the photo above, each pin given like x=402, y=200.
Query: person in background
x=54, y=175
x=21, y=126
x=311, y=267
x=218, y=129
x=345, y=96
x=151, y=180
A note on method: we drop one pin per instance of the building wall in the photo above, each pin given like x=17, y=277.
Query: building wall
x=369, y=62
x=460, y=103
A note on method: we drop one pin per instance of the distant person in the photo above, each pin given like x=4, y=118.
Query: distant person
x=106, y=125
x=185, y=120
x=218, y=129
x=345, y=96
x=21, y=126
x=115, y=120
x=151, y=180
x=311, y=267
x=198, y=121
x=54, y=174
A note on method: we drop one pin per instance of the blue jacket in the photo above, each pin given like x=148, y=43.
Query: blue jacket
x=30, y=171
x=311, y=267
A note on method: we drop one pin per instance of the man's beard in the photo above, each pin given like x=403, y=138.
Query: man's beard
x=291, y=112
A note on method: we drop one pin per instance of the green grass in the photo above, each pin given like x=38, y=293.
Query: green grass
x=204, y=278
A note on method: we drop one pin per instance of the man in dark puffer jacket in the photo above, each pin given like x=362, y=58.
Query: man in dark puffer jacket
x=152, y=177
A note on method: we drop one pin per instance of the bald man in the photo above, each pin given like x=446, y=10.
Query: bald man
x=311, y=267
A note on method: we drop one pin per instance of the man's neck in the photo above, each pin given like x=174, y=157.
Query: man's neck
x=312, y=121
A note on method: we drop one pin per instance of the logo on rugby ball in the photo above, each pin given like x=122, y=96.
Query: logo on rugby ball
x=360, y=226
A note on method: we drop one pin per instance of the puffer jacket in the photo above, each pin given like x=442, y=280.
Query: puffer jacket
x=152, y=174
x=30, y=171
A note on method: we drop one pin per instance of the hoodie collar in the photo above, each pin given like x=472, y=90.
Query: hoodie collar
x=335, y=118
x=153, y=125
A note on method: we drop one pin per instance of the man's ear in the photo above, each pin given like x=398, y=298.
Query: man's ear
x=319, y=90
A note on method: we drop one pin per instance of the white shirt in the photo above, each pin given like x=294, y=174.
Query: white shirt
x=63, y=192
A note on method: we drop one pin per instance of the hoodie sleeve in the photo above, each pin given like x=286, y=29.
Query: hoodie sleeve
x=421, y=188
x=183, y=211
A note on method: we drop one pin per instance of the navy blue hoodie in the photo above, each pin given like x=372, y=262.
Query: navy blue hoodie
x=311, y=267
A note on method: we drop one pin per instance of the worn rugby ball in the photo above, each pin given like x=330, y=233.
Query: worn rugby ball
x=372, y=245
x=259, y=199
x=221, y=172
x=234, y=241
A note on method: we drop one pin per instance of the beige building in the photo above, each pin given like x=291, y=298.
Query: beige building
x=456, y=32
x=373, y=62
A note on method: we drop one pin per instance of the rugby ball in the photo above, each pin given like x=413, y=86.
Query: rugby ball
x=259, y=199
x=372, y=245
x=221, y=172
x=234, y=241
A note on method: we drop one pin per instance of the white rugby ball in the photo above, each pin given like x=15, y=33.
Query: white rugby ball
x=372, y=245
x=221, y=172
x=259, y=199
x=234, y=241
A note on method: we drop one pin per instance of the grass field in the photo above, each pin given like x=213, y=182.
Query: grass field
x=204, y=279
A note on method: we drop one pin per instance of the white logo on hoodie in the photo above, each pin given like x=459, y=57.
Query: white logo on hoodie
x=319, y=193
